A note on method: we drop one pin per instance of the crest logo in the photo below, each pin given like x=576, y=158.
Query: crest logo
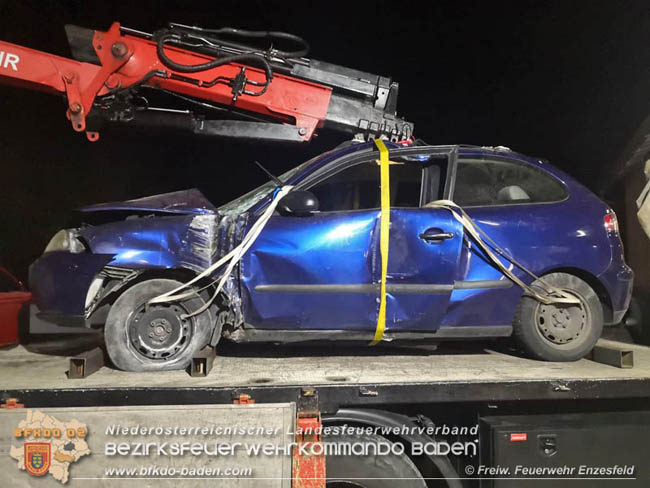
x=47, y=445
x=37, y=458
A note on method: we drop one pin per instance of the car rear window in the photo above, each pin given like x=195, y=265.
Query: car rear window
x=487, y=182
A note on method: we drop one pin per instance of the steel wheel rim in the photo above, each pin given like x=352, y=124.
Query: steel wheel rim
x=563, y=324
x=157, y=332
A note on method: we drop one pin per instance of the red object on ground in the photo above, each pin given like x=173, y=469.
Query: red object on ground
x=10, y=305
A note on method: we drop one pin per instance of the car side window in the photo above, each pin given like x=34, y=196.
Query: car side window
x=488, y=182
x=358, y=187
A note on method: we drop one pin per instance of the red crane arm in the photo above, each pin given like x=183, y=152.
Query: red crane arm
x=127, y=60
x=80, y=82
x=298, y=97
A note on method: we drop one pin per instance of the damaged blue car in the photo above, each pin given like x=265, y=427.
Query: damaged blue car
x=314, y=271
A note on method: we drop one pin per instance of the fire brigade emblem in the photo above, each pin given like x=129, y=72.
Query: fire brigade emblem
x=48, y=446
x=37, y=458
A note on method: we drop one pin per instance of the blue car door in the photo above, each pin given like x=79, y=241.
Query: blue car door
x=313, y=272
x=322, y=271
x=423, y=261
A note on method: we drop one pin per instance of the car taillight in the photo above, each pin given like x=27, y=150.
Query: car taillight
x=611, y=222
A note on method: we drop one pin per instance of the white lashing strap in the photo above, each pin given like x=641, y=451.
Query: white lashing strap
x=551, y=294
x=232, y=258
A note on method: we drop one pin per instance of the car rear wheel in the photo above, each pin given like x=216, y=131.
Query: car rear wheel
x=156, y=337
x=560, y=332
x=372, y=471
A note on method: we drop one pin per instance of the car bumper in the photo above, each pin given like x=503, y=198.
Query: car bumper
x=59, y=282
x=38, y=325
x=618, y=280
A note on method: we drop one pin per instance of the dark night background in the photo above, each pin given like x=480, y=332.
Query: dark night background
x=568, y=81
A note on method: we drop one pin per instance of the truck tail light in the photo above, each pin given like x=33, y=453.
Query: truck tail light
x=611, y=222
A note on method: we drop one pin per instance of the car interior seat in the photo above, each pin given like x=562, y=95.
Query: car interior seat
x=512, y=193
x=474, y=186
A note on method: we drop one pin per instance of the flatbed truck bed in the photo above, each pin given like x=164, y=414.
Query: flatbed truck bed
x=486, y=385
x=343, y=376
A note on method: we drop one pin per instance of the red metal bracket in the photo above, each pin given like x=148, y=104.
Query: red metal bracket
x=75, y=113
x=12, y=403
x=243, y=399
x=80, y=82
x=113, y=51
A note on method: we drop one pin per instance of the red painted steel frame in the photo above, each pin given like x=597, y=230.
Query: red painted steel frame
x=308, y=470
x=126, y=60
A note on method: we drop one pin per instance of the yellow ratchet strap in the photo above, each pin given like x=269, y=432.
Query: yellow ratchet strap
x=384, y=228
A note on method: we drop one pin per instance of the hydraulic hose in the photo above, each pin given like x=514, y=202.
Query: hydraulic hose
x=209, y=38
x=285, y=36
x=250, y=58
x=195, y=68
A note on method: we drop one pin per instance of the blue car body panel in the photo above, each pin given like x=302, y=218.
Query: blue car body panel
x=322, y=272
x=328, y=249
x=142, y=243
x=190, y=242
x=62, y=280
x=327, y=268
x=413, y=262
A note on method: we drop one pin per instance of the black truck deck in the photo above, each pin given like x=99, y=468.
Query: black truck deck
x=467, y=372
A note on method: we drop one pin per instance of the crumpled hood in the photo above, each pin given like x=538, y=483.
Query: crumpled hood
x=190, y=201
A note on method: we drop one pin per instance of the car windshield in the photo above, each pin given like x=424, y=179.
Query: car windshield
x=254, y=196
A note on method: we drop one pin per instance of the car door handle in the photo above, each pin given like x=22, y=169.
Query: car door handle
x=435, y=236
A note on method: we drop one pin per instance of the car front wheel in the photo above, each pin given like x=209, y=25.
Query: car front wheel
x=560, y=332
x=155, y=337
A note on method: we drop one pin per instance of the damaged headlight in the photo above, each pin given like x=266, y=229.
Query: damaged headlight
x=65, y=240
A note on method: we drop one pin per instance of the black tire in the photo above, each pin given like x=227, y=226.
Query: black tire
x=132, y=350
x=636, y=318
x=371, y=471
x=560, y=332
